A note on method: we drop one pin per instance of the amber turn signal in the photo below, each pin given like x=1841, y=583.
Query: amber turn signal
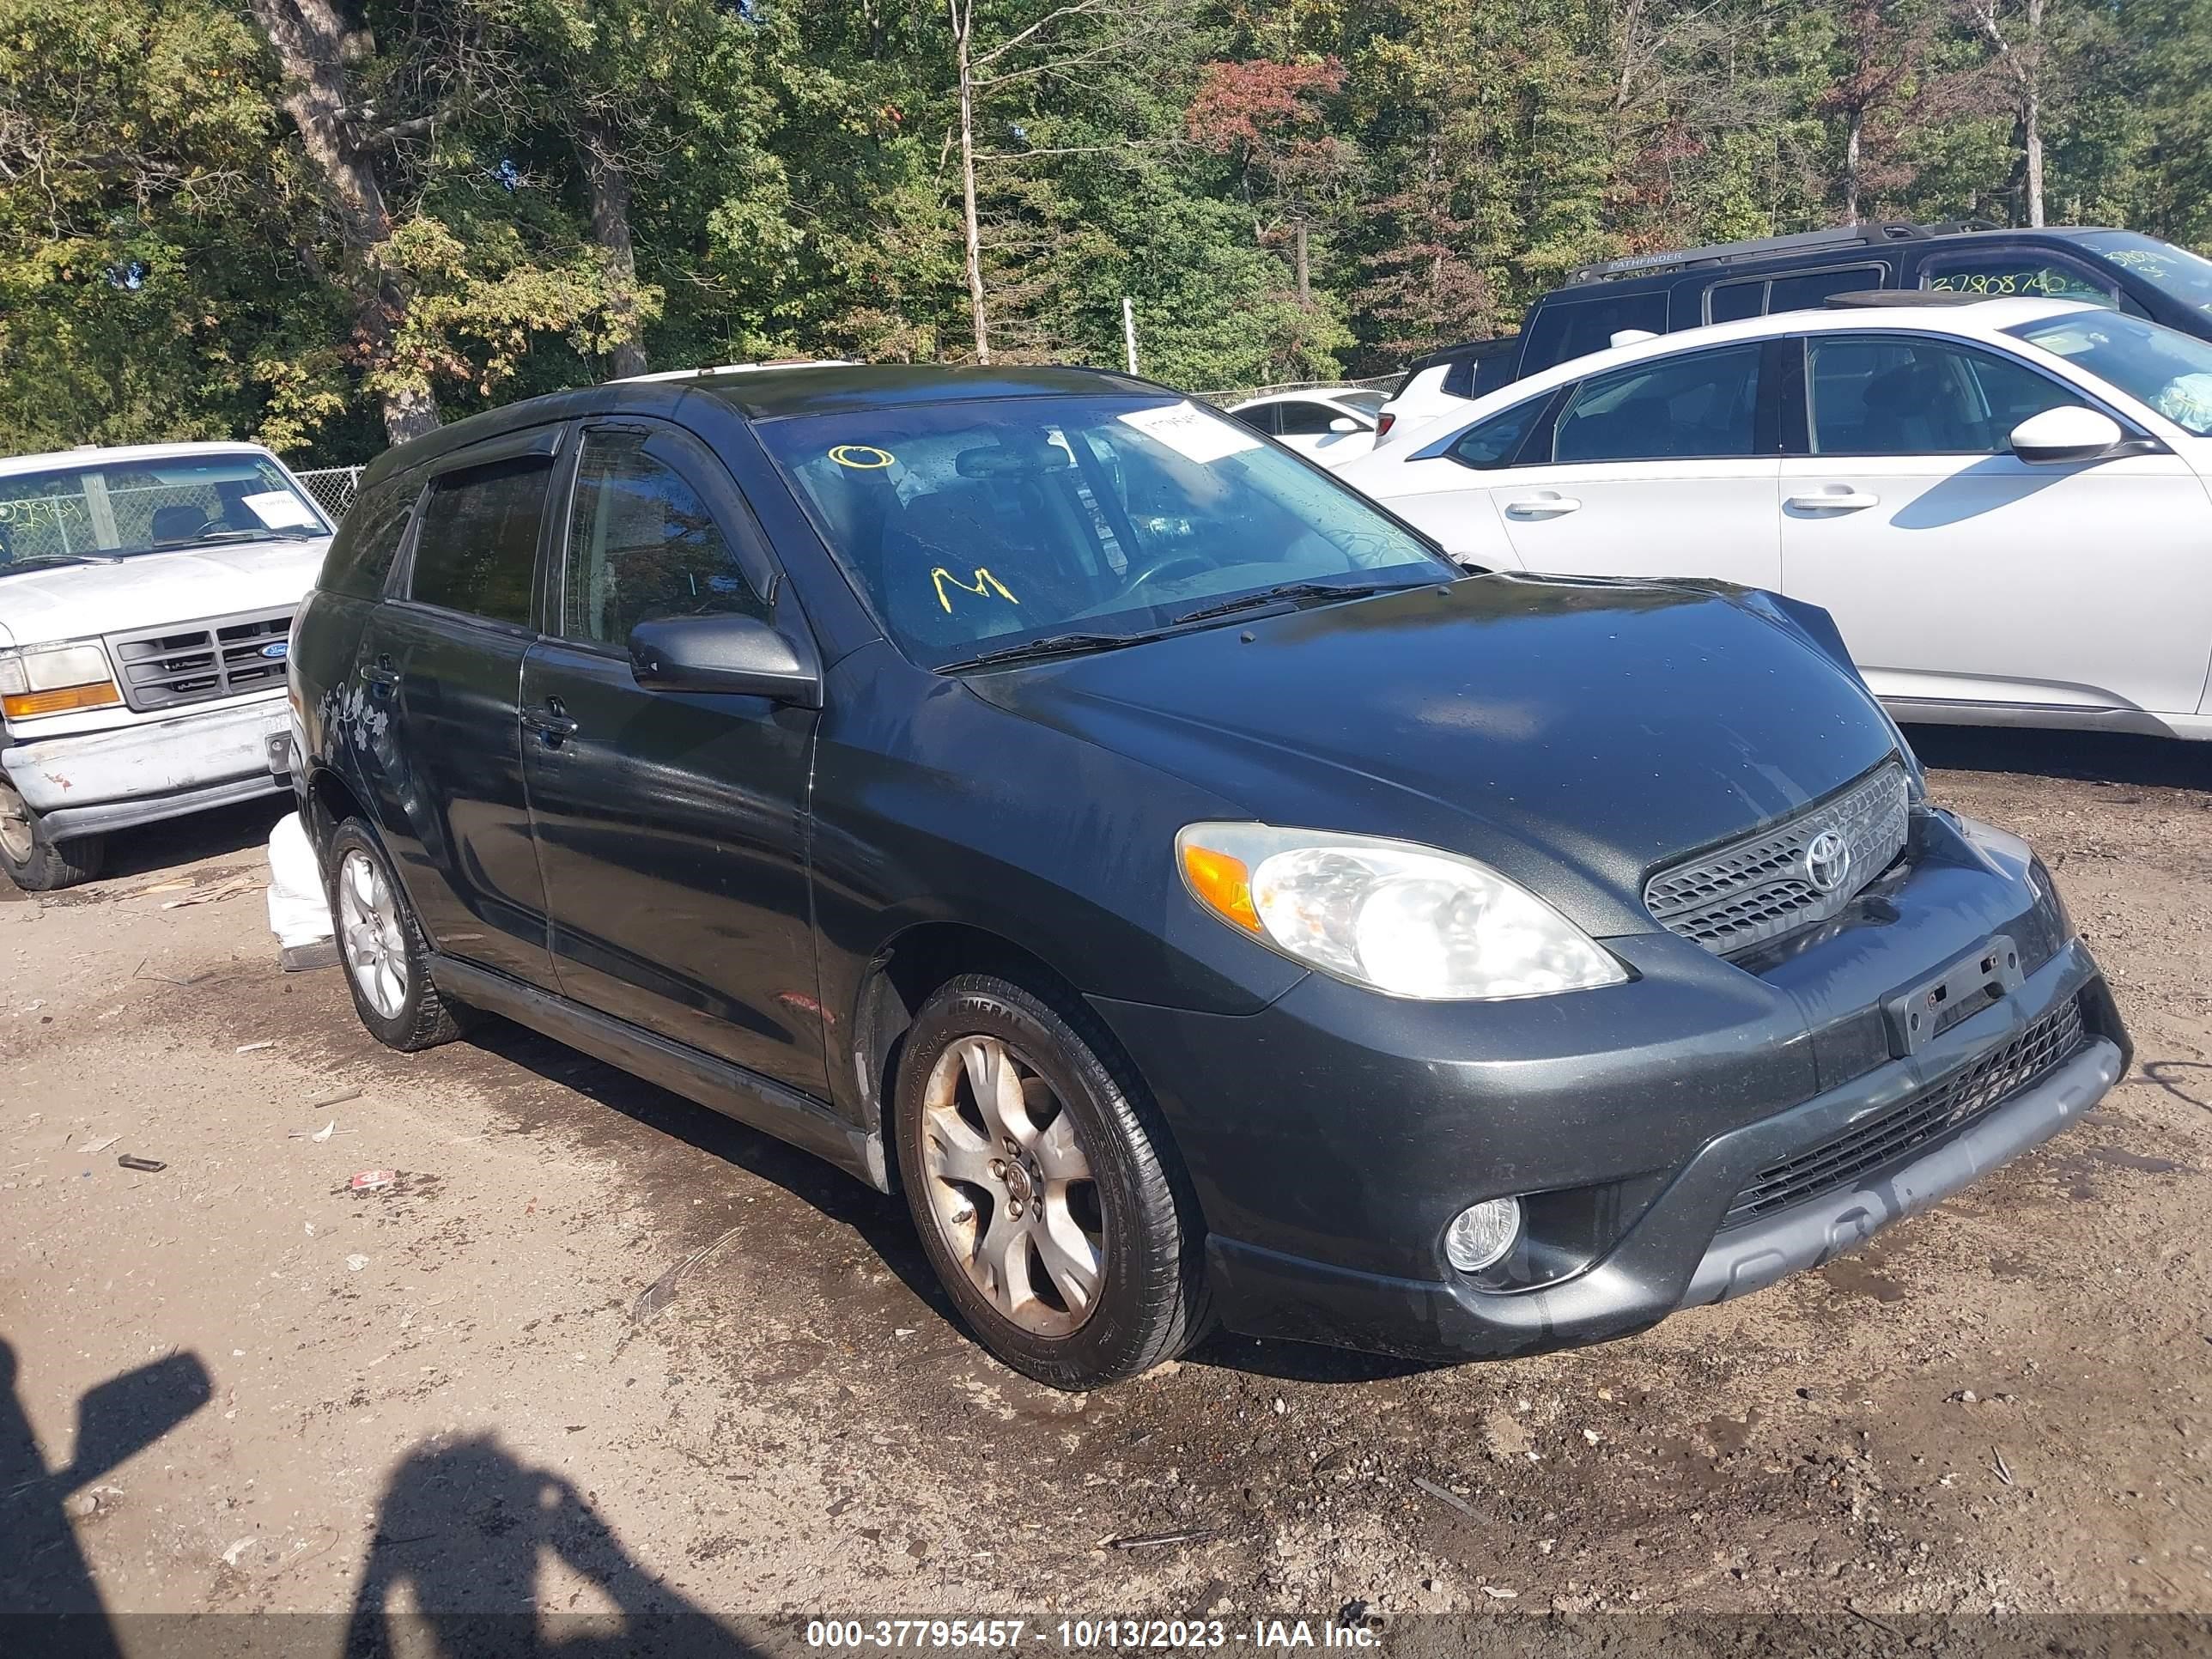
x=26, y=704
x=1222, y=883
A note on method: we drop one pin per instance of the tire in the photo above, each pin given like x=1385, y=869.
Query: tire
x=1083, y=1108
x=381, y=947
x=34, y=860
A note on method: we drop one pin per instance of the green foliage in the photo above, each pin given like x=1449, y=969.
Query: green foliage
x=175, y=260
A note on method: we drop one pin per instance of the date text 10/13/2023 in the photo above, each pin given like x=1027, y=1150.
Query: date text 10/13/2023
x=1263, y=1635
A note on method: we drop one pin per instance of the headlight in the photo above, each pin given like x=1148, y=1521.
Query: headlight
x=55, y=680
x=1408, y=920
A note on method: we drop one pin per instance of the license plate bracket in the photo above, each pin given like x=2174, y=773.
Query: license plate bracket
x=1985, y=976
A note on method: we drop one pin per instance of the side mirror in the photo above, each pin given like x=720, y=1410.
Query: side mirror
x=2068, y=434
x=740, y=656
x=1346, y=423
x=125, y=1414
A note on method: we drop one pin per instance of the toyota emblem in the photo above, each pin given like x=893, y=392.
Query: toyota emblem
x=1827, y=861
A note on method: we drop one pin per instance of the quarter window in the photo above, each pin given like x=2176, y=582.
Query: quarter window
x=1702, y=406
x=478, y=548
x=1494, y=443
x=643, y=544
x=1260, y=417
x=1897, y=396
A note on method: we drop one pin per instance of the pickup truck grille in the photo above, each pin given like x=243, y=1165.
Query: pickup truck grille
x=1773, y=883
x=1951, y=1104
x=202, y=661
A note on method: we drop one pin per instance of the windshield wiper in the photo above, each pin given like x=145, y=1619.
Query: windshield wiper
x=21, y=559
x=1278, y=595
x=270, y=533
x=1053, y=645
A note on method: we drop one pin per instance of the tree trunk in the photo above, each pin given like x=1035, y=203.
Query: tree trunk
x=962, y=23
x=608, y=181
x=1304, y=265
x=1854, y=132
x=309, y=38
x=2030, y=112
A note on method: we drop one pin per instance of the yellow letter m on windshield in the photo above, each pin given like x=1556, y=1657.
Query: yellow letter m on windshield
x=982, y=587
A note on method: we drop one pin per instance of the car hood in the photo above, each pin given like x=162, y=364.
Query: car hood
x=75, y=601
x=1575, y=735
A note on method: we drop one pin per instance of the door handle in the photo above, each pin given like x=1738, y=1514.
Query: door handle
x=551, y=723
x=1834, y=501
x=1545, y=506
x=380, y=672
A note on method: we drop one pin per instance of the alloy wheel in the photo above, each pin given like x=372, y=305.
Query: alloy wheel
x=1011, y=1188
x=371, y=934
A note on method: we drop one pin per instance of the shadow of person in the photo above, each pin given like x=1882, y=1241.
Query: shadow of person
x=457, y=1567
x=47, y=1590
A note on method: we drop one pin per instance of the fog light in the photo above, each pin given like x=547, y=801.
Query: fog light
x=1481, y=1235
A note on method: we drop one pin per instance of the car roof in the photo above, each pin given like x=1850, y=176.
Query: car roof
x=1980, y=319
x=1323, y=392
x=108, y=455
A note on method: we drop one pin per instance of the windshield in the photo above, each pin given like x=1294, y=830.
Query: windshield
x=974, y=526
x=2170, y=371
x=2185, y=275
x=96, y=512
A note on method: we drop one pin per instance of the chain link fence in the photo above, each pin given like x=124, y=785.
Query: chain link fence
x=332, y=487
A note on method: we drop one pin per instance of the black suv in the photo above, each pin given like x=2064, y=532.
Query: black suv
x=1040, y=794
x=1661, y=293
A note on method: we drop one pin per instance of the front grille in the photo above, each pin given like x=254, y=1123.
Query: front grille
x=1958, y=1100
x=1764, y=885
x=199, y=662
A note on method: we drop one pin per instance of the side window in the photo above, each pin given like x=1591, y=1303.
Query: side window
x=1701, y=406
x=1493, y=442
x=2016, y=271
x=1260, y=417
x=642, y=544
x=1728, y=303
x=1459, y=379
x=1561, y=332
x=1807, y=289
x=478, y=548
x=1905, y=397
x=1304, y=420
x=361, y=556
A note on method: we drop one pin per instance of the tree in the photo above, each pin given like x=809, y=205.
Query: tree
x=1885, y=46
x=1268, y=116
x=2018, y=43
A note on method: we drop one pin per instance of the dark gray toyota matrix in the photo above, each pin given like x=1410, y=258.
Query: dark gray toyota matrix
x=1039, y=795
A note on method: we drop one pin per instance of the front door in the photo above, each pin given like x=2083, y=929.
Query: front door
x=1657, y=469
x=441, y=666
x=671, y=827
x=1958, y=573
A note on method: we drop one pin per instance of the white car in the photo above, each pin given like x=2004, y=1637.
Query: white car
x=1330, y=424
x=2006, y=505
x=146, y=600
x=1446, y=382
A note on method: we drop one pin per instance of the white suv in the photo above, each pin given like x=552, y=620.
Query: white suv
x=2002, y=503
x=146, y=600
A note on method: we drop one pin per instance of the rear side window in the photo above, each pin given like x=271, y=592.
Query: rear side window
x=1260, y=418
x=1702, y=406
x=478, y=549
x=1802, y=290
x=642, y=544
x=1494, y=443
x=1561, y=332
x=361, y=557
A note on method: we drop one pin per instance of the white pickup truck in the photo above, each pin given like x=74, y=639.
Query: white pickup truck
x=146, y=600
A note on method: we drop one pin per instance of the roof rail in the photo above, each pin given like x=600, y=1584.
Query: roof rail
x=1722, y=253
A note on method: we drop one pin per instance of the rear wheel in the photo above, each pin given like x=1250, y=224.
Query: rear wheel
x=34, y=860
x=1044, y=1189
x=387, y=960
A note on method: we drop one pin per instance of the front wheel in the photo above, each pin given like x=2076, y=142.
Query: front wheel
x=32, y=859
x=1044, y=1189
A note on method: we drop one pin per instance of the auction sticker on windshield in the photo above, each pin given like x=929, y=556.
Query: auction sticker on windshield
x=1190, y=433
x=279, y=509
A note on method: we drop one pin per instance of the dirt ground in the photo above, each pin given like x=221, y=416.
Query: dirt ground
x=444, y=1397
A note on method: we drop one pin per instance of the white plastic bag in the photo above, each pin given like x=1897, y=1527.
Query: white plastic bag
x=299, y=911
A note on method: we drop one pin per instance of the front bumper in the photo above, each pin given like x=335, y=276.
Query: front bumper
x=1332, y=1142
x=90, y=783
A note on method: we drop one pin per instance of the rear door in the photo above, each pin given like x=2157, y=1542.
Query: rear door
x=441, y=749
x=671, y=827
x=1665, y=468
x=1958, y=573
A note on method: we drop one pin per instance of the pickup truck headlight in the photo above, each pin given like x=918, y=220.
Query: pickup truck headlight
x=1405, y=920
x=55, y=680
